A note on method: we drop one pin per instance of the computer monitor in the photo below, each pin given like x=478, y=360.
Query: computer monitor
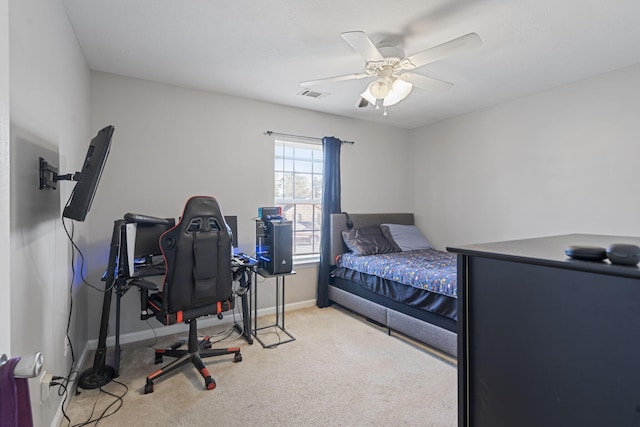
x=143, y=242
x=148, y=239
x=232, y=222
x=89, y=177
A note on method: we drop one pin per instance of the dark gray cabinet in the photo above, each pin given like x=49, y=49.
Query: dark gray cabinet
x=544, y=340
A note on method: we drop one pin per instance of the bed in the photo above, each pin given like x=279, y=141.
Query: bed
x=425, y=311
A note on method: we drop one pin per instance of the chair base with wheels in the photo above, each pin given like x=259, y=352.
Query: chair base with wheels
x=197, y=350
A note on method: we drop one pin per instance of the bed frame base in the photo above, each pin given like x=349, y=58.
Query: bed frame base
x=420, y=330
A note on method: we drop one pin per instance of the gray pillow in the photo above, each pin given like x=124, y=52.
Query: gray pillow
x=367, y=241
x=405, y=237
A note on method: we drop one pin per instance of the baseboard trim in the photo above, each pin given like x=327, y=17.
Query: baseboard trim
x=162, y=331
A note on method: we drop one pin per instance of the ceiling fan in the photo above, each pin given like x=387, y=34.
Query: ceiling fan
x=388, y=64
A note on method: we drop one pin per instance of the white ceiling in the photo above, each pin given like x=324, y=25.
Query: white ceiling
x=263, y=49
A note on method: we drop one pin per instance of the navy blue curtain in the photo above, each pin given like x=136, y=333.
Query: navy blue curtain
x=330, y=204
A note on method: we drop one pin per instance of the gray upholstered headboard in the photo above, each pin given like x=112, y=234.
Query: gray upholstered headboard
x=339, y=223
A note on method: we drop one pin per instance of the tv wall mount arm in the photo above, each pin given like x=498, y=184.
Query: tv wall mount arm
x=49, y=175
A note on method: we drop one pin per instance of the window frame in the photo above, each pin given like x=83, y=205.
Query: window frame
x=301, y=169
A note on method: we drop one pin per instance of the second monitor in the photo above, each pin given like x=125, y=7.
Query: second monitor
x=232, y=222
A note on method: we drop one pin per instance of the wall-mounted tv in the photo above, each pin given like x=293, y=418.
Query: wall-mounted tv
x=89, y=177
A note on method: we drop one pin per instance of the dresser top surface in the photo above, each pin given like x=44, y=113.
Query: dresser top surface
x=550, y=251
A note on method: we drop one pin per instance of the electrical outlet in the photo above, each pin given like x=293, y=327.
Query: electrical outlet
x=45, y=385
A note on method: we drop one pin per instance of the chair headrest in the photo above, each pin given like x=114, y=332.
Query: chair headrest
x=201, y=213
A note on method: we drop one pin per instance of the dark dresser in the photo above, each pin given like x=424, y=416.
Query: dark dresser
x=545, y=340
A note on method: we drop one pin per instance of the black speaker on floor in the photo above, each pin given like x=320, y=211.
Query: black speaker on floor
x=274, y=240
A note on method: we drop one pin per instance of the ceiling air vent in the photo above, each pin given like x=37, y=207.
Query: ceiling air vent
x=312, y=94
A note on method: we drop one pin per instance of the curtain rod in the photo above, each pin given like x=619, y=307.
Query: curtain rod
x=270, y=132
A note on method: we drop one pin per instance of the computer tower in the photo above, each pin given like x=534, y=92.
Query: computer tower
x=274, y=240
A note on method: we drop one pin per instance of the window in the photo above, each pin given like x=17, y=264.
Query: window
x=298, y=190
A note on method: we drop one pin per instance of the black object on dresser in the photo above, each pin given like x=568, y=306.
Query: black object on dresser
x=545, y=340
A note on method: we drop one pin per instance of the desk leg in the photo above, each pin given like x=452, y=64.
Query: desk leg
x=277, y=300
x=280, y=308
x=246, y=316
x=283, y=303
x=116, y=363
x=101, y=373
x=245, y=304
x=254, y=295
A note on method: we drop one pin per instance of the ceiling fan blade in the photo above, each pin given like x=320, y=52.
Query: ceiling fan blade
x=361, y=43
x=355, y=76
x=461, y=44
x=424, y=82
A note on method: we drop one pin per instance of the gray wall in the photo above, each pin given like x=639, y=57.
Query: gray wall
x=171, y=143
x=561, y=161
x=49, y=117
x=5, y=272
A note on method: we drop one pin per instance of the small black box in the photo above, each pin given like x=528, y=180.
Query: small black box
x=623, y=253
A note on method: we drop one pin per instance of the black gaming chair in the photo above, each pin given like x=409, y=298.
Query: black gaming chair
x=197, y=283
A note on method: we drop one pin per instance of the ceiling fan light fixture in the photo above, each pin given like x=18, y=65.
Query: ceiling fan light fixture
x=400, y=89
x=379, y=88
x=368, y=96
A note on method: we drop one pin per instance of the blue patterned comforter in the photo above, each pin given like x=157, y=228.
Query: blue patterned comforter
x=429, y=269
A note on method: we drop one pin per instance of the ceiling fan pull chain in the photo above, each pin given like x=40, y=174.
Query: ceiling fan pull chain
x=385, y=112
x=377, y=104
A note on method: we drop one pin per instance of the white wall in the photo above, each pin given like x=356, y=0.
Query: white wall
x=5, y=272
x=49, y=117
x=171, y=143
x=561, y=161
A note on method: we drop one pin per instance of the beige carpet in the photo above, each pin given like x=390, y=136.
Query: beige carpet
x=341, y=370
